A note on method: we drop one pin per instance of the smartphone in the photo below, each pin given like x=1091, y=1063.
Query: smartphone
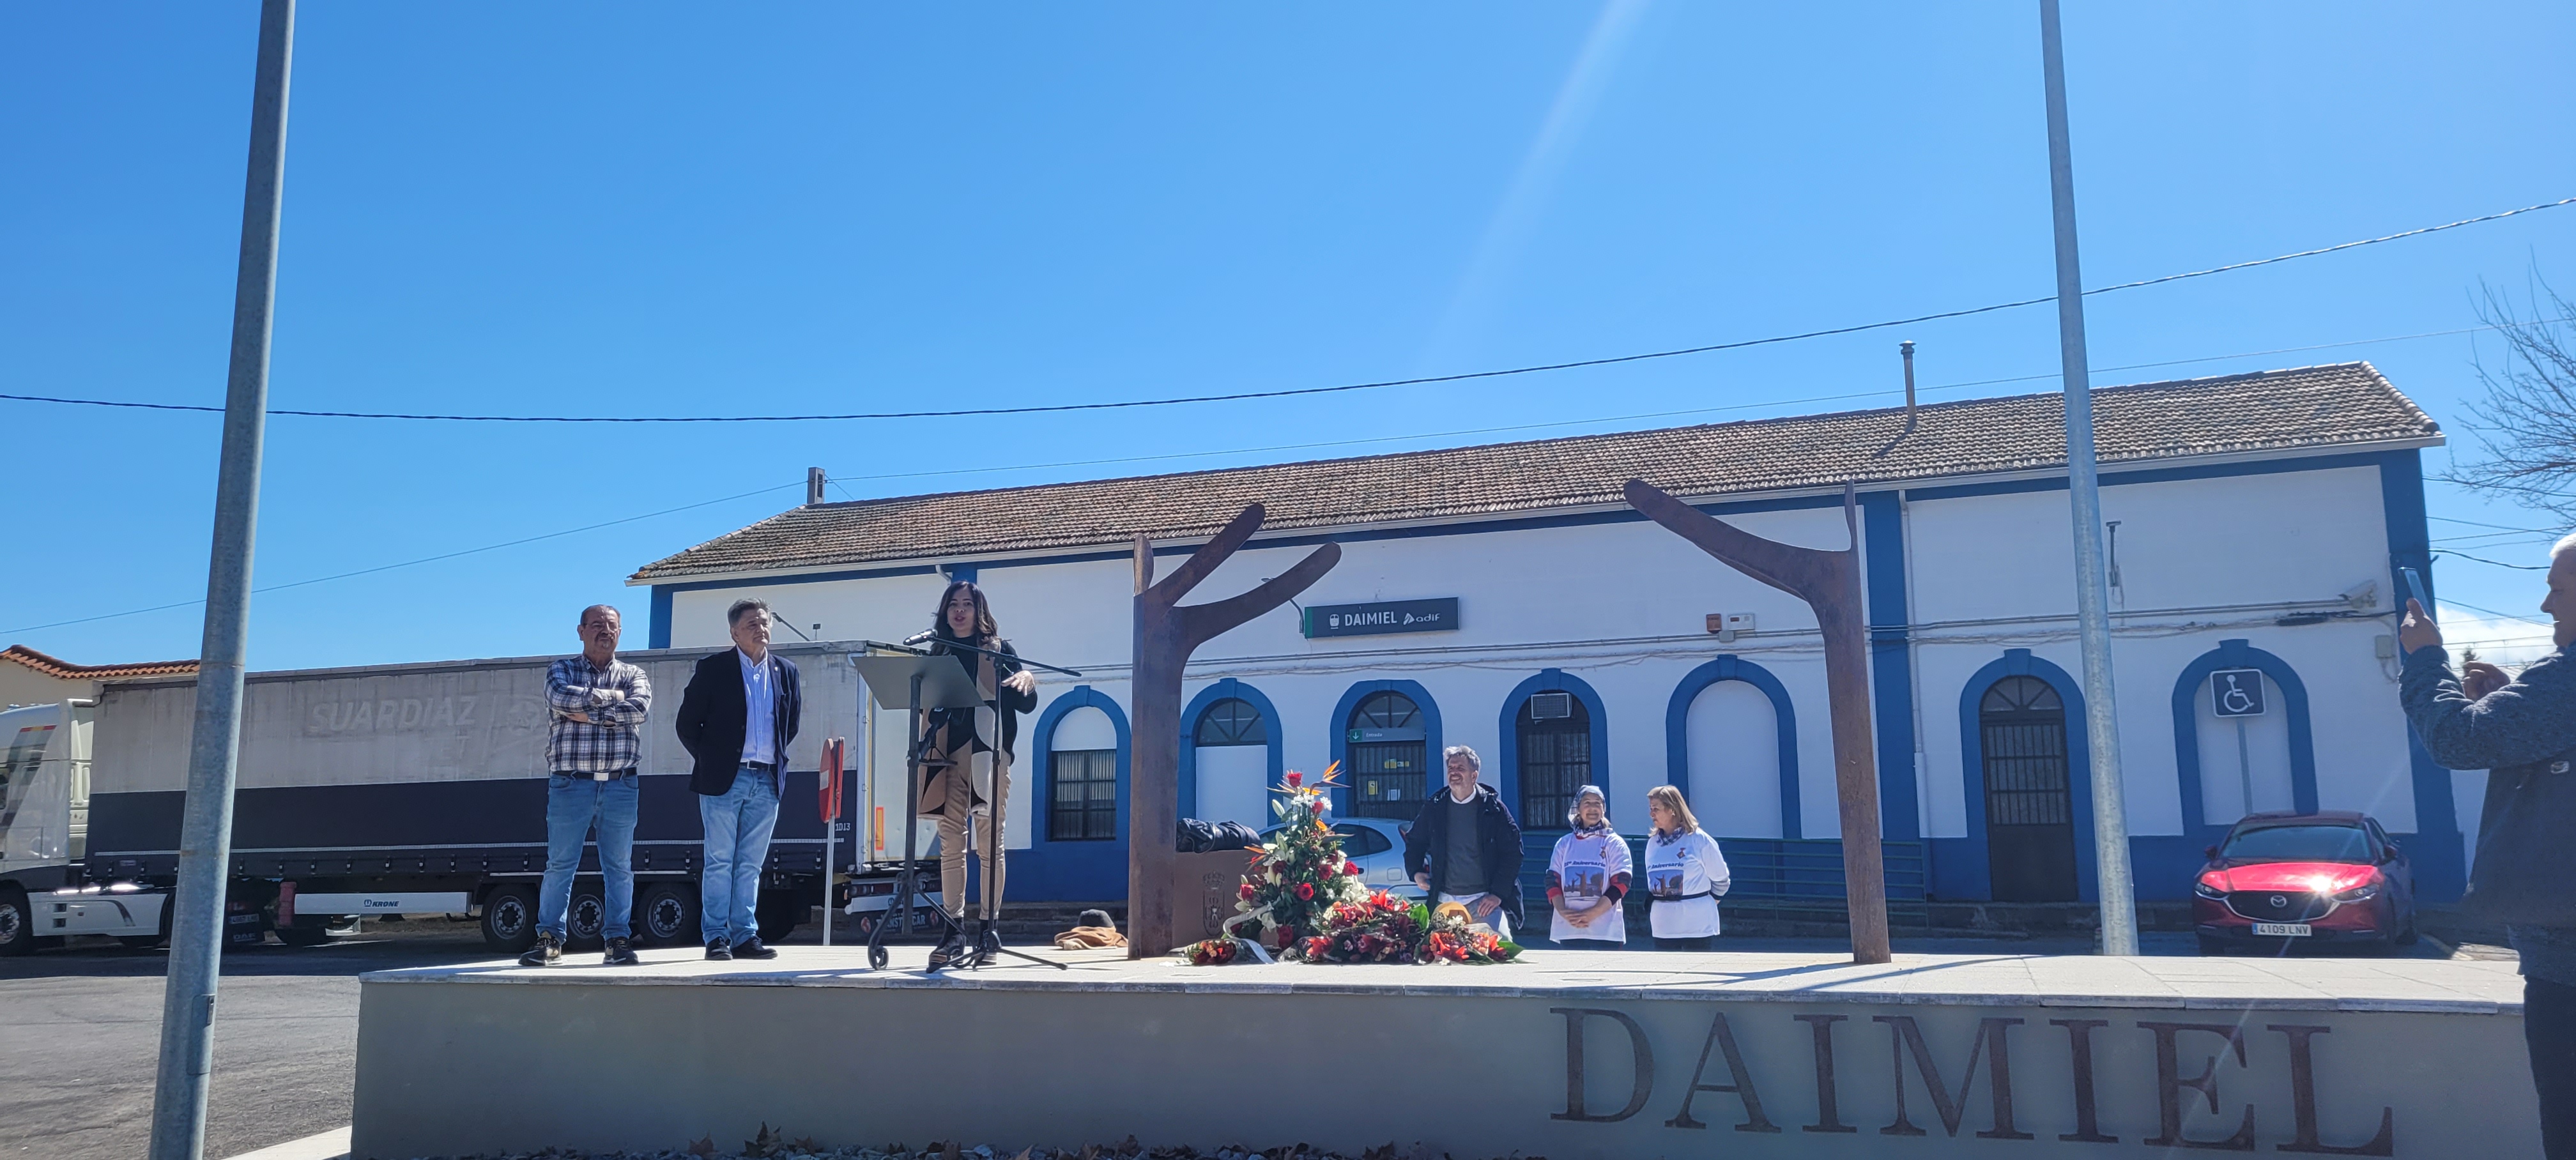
x=2415, y=590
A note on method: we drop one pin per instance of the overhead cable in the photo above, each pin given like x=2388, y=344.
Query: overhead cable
x=411, y=563
x=1464, y=376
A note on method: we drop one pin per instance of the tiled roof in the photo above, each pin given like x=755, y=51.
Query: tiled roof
x=68, y=671
x=2310, y=408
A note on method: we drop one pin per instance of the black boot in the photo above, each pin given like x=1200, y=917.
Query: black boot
x=547, y=952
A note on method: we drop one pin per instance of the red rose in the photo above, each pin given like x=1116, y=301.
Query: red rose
x=1248, y=891
x=1296, y=778
x=1305, y=891
x=1351, y=868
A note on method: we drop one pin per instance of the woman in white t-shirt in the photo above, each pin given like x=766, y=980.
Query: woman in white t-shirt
x=1685, y=875
x=1587, y=876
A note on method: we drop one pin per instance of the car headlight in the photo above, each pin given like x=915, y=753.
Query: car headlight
x=2205, y=890
x=2361, y=893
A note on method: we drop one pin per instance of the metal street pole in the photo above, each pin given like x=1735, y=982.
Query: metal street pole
x=2083, y=488
x=205, y=835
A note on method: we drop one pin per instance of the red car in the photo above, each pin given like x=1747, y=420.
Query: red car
x=2284, y=880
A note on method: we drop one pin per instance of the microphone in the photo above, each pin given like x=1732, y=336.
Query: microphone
x=921, y=637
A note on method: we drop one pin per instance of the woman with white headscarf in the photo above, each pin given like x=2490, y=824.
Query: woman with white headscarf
x=1587, y=876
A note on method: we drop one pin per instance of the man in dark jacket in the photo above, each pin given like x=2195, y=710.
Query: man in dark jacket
x=1465, y=848
x=736, y=719
x=2521, y=729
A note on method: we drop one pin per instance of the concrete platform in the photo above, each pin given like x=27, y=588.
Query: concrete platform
x=1566, y=1055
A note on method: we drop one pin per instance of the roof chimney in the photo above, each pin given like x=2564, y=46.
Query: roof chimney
x=1906, y=349
x=814, y=475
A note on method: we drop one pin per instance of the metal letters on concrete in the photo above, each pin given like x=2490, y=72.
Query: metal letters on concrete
x=1567, y=1054
x=1166, y=634
x=1830, y=584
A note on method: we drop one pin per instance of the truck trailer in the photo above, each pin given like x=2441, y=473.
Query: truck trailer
x=412, y=789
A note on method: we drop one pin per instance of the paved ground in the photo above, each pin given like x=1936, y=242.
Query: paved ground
x=83, y=1032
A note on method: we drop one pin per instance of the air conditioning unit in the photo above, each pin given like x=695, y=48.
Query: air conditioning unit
x=1551, y=706
x=1727, y=624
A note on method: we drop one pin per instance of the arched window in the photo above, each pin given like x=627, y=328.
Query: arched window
x=1082, y=772
x=1554, y=731
x=1232, y=763
x=1387, y=756
x=1232, y=721
x=2030, y=814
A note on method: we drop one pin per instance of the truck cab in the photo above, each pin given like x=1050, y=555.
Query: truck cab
x=44, y=835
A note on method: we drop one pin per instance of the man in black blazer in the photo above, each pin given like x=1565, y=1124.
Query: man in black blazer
x=736, y=719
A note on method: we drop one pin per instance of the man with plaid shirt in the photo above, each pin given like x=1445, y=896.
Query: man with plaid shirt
x=596, y=707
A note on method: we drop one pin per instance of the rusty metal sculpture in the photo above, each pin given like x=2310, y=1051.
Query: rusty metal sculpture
x=1830, y=584
x=1166, y=634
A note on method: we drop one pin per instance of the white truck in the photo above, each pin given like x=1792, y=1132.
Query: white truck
x=392, y=789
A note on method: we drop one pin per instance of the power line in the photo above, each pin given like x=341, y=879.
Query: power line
x=2498, y=527
x=1652, y=414
x=411, y=563
x=2491, y=563
x=2450, y=603
x=837, y=481
x=1299, y=391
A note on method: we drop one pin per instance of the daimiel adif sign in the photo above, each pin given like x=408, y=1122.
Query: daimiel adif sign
x=1379, y=617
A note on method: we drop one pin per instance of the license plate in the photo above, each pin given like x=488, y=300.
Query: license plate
x=2282, y=929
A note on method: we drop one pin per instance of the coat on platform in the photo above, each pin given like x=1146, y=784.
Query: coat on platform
x=1498, y=840
x=714, y=712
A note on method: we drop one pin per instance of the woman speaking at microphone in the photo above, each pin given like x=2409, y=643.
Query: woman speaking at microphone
x=965, y=777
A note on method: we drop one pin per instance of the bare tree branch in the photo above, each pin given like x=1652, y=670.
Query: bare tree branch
x=2526, y=424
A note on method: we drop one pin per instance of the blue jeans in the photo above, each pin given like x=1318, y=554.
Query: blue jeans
x=574, y=802
x=738, y=824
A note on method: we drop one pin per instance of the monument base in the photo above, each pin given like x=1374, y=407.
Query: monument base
x=1565, y=1054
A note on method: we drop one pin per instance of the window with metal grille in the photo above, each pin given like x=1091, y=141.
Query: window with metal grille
x=2022, y=725
x=1554, y=732
x=1232, y=721
x=1386, y=751
x=1082, y=804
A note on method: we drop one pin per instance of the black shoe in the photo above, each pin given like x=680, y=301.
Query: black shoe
x=547, y=952
x=947, y=953
x=621, y=953
x=718, y=952
x=751, y=948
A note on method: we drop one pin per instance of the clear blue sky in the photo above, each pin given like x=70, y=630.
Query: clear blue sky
x=664, y=209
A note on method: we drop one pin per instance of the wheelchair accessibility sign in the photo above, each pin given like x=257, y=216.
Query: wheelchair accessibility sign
x=2237, y=692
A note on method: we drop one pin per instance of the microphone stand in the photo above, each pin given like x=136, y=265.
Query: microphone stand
x=987, y=943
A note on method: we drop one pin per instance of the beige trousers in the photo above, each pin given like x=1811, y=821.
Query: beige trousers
x=954, y=817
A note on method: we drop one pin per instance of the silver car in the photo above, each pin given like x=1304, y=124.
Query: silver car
x=1377, y=844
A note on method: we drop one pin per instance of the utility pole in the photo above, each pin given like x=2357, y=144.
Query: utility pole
x=2084, y=490
x=205, y=835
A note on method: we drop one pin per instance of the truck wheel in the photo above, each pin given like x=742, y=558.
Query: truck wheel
x=666, y=915
x=17, y=922
x=305, y=931
x=510, y=918
x=586, y=919
x=779, y=915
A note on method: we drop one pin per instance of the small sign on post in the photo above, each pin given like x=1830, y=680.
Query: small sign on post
x=2236, y=692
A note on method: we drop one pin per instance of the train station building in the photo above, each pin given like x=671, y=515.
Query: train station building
x=1506, y=598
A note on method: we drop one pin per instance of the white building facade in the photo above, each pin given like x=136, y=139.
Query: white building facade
x=2256, y=521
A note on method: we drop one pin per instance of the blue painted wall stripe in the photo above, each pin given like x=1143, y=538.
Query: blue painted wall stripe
x=1891, y=664
x=2438, y=850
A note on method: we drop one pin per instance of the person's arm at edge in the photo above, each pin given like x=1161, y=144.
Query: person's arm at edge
x=791, y=684
x=691, y=722
x=2523, y=722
